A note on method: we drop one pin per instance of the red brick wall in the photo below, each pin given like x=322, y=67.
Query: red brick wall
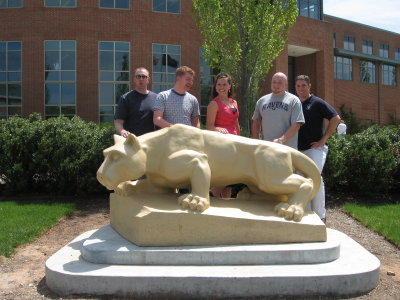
x=88, y=24
x=362, y=98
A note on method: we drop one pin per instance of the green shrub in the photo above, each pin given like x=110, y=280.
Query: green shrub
x=58, y=155
x=364, y=163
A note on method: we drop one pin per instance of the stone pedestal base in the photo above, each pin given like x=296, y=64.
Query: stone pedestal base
x=67, y=272
x=157, y=220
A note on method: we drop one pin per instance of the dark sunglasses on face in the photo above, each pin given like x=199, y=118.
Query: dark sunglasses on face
x=141, y=76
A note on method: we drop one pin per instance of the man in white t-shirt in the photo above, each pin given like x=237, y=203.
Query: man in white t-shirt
x=278, y=116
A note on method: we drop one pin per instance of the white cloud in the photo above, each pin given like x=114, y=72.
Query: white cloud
x=383, y=14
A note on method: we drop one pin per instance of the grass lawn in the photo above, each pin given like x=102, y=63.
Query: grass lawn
x=22, y=222
x=384, y=219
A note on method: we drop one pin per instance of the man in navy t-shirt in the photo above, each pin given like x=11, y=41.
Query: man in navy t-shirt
x=135, y=109
x=312, y=136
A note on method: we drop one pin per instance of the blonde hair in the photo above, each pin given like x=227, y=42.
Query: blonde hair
x=184, y=69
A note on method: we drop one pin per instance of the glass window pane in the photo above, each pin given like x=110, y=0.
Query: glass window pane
x=14, y=46
x=14, y=61
x=160, y=5
x=107, y=110
x=3, y=3
x=158, y=48
x=106, y=76
x=67, y=60
x=14, y=76
x=52, y=110
x=14, y=90
x=121, y=76
x=3, y=76
x=52, y=45
x=3, y=94
x=106, y=46
x=171, y=78
x=52, y=60
x=173, y=49
x=107, y=3
x=68, y=3
x=106, y=93
x=173, y=6
x=157, y=77
x=121, y=61
x=3, y=45
x=159, y=63
x=52, y=93
x=68, y=93
x=52, y=3
x=68, y=76
x=121, y=3
x=106, y=60
x=120, y=89
x=14, y=3
x=14, y=101
x=68, y=110
x=52, y=75
x=173, y=62
x=121, y=46
x=68, y=45
x=12, y=111
x=3, y=65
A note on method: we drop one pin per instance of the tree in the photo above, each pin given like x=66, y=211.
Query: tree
x=243, y=38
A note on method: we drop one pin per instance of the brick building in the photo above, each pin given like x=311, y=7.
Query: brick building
x=77, y=57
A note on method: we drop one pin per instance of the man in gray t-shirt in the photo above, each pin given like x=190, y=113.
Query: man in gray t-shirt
x=177, y=106
x=279, y=115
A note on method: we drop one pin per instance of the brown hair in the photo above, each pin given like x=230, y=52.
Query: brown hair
x=304, y=77
x=182, y=70
x=222, y=75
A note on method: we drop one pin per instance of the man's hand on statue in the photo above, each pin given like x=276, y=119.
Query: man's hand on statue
x=124, y=133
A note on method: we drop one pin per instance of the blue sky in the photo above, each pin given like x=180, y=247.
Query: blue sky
x=384, y=14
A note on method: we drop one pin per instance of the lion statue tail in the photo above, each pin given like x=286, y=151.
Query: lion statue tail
x=308, y=169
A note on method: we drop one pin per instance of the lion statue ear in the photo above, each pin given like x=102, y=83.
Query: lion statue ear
x=132, y=142
x=118, y=139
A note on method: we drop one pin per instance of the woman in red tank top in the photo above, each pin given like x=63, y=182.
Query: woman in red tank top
x=223, y=116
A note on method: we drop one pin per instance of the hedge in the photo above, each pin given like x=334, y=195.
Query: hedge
x=364, y=163
x=61, y=156
x=57, y=156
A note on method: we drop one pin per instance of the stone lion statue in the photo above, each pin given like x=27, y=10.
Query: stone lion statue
x=186, y=157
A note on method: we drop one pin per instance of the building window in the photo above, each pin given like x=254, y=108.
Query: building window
x=343, y=68
x=60, y=78
x=349, y=42
x=367, y=71
x=384, y=50
x=388, y=75
x=310, y=9
x=119, y=4
x=11, y=3
x=166, y=59
x=367, y=47
x=60, y=3
x=10, y=79
x=206, y=85
x=397, y=54
x=114, y=66
x=167, y=6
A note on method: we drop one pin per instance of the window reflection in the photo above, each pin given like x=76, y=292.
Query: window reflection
x=119, y=4
x=389, y=75
x=114, y=63
x=167, y=6
x=60, y=78
x=310, y=9
x=10, y=78
x=343, y=68
x=166, y=59
x=367, y=71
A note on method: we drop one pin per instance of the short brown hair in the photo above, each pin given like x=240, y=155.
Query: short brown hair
x=304, y=77
x=184, y=69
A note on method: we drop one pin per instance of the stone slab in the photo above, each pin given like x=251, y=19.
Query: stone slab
x=157, y=220
x=106, y=246
x=355, y=271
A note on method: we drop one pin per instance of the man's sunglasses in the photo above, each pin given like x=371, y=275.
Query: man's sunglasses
x=141, y=76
